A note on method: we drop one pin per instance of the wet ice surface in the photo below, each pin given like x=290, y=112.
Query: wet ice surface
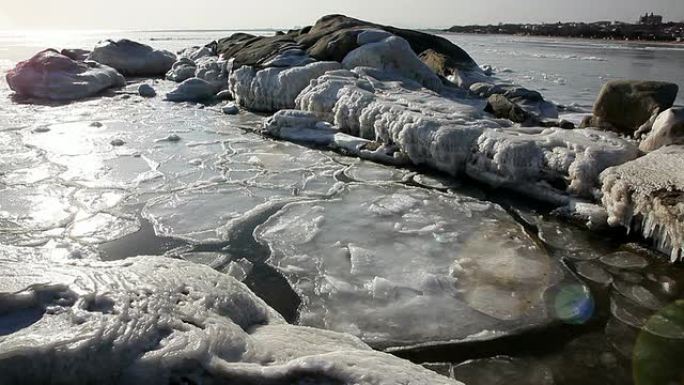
x=398, y=257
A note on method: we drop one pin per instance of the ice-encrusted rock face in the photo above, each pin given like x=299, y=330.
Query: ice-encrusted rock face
x=274, y=88
x=548, y=164
x=450, y=133
x=133, y=58
x=393, y=55
x=155, y=320
x=182, y=70
x=647, y=195
x=434, y=268
x=667, y=129
x=51, y=75
x=624, y=105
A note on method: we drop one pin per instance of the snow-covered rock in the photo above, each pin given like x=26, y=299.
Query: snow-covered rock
x=667, y=129
x=182, y=70
x=230, y=109
x=273, y=89
x=51, y=75
x=133, y=58
x=549, y=164
x=196, y=53
x=192, y=90
x=392, y=55
x=647, y=195
x=435, y=268
x=156, y=320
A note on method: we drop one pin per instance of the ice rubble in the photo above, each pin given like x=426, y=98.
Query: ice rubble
x=647, y=195
x=155, y=320
x=400, y=266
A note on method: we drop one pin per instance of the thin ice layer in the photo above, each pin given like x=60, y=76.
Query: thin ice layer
x=401, y=266
x=155, y=320
x=647, y=195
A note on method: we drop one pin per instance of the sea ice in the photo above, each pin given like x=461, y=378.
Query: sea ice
x=400, y=266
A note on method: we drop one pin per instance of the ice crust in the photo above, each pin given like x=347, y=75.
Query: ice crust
x=647, y=195
x=273, y=88
x=400, y=266
x=450, y=133
x=155, y=320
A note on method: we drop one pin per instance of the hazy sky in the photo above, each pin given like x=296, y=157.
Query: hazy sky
x=240, y=14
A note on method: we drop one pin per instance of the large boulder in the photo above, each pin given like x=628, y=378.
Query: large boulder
x=132, y=58
x=51, y=75
x=668, y=128
x=75, y=53
x=182, y=70
x=624, y=105
x=501, y=107
x=330, y=39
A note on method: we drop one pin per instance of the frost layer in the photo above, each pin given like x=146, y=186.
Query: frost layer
x=647, y=195
x=399, y=266
x=274, y=88
x=154, y=320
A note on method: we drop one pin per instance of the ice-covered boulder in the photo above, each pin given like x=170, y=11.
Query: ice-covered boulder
x=182, y=70
x=156, y=320
x=274, y=88
x=393, y=55
x=624, y=105
x=212, y=70
x=435, y=269
x=667, y=129
x=51, y=75
x=548, y=164
x=647, y=195
x=192, y=90
x=132, y=58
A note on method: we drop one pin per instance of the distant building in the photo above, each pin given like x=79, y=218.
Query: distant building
x=651, y=19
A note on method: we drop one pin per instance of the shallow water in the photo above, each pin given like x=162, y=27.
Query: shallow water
x=223, y=194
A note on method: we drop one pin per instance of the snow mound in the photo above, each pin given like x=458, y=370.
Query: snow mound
x=155, y=320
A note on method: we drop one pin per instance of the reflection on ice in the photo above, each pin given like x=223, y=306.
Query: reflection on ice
x=401, y=266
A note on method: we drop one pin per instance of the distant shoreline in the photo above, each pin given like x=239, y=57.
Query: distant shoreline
x=674, y=44
x=671, y=33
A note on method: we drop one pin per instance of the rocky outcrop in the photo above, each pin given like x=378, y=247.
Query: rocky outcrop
x=667, y=129
x=51, y=75
x=75, y=53
x=330, y=39
x=133, y=59
x=624, y=105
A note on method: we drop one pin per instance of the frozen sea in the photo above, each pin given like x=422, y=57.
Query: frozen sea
x=480, y=285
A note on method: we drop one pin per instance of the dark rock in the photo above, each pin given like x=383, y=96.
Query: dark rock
x=132, y=58
x=146, y=91
x=76, y=54
x=51, y=75
x=331, y=39
x=627, y=104
x=501, y=107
